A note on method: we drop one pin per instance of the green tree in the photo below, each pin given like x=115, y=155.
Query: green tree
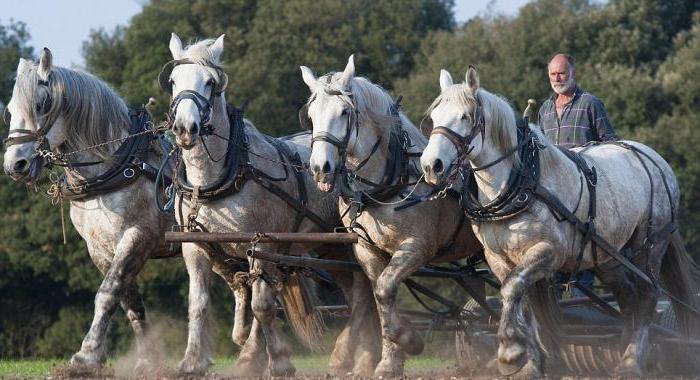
x=14, y=39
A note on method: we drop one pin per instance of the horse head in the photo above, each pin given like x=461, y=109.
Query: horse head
x=332, y=115
x=32, y=117
x=195, y=81
x=456, y=120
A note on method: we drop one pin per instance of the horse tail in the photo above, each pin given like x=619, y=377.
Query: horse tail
x=681, y=276
x=300, y=307
x=545, y=308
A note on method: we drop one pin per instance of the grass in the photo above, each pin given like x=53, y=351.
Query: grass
x=27, y=368
x=316, y=363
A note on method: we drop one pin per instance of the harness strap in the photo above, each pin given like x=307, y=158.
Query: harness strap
x=552, y=201
x=124, y=172
x=591, y=179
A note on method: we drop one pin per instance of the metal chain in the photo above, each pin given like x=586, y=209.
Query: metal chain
x=51, y=156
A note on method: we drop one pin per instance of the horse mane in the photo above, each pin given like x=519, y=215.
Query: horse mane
x=499, y=114
x=92, y=111
x=199, y=53
x=372, y=102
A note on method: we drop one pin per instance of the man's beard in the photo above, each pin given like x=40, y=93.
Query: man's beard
x=564, y=88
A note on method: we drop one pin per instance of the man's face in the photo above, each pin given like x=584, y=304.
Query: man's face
x=561, y=77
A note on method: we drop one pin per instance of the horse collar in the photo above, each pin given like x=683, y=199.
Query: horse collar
x=236, y=170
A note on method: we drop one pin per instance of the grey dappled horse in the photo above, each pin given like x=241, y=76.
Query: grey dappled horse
x=472, y=125
x=359, y=136
x=204, y=129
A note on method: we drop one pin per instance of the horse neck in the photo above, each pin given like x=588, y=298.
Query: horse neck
x=492, y=180
x=91, y=171
x=205, y=162
x=373, y=170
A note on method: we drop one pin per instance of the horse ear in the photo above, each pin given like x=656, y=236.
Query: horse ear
x=21, y=65
x=445, y=80
x=45, y=64
x=217, y=48
x=175, y=46
x=349, y=71
x=472, y=79
x=308, y=76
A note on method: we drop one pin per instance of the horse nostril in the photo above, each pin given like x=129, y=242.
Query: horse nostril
x=437, y=166
x=327, y=167
x=20, y=166
x=177, y=129
x=194, y=128
x=315, y=169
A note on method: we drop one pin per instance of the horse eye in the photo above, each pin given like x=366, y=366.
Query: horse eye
x=210, y=82
x=171, y=81
x=464, y=116
x=345, y=112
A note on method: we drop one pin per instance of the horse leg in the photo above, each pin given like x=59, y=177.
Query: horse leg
x=252, y=359
x=397, y=338
x=365, y=323
x=637, y=301
x=357, y=347
x=133, y=306
x=129, y=257
x=197, y=357
x=520, y=349
x=246, y=333
x=265, y=311
x=341, y=359
x=242, y=314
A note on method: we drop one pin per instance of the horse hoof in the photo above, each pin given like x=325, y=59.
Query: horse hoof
x=85, y=361
x=194, y=367
x=245, y=367
x=284, y=370
x=387, y=370
x=628, y=368
x=512, y=366
x=365, y=363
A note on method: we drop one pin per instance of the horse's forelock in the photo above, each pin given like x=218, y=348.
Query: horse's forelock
x=25, y=90
x=199, y=53
x=371, y=100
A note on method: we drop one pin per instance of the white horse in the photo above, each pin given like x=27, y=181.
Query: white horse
x=357, y=130
x=204, y=129
x=63, y=111
x=531, y=242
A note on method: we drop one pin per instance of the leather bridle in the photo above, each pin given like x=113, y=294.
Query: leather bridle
x=351, y=127
x=463, y=144
x=204, y=105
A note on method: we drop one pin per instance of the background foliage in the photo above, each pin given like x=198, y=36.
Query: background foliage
x=641, y=57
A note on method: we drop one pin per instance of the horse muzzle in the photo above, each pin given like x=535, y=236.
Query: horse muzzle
x=434, y=171
x=186, y=135
x=23, y=170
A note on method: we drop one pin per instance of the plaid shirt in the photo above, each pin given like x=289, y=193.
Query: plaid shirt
x=583, y=119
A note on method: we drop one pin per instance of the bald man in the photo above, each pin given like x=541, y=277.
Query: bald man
x=572, y=117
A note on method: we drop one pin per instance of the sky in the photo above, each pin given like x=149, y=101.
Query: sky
x=64, y=25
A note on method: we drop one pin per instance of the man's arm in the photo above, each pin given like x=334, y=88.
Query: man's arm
x=603, y=126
